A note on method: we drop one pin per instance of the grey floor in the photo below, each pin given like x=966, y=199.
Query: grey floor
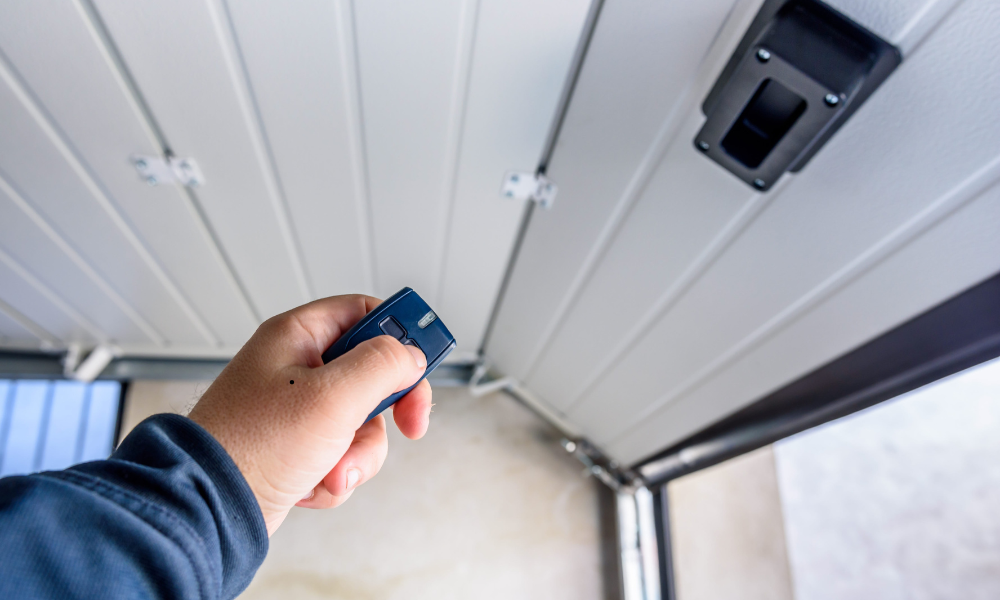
x=901, y=501
x=485, y=506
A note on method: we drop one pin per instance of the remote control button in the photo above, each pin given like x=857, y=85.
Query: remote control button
x=390, y=326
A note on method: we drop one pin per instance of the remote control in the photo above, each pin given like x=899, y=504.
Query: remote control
x=406, y=317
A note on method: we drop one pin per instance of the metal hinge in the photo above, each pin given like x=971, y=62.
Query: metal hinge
x=86, y=369
x=523, y=185
x=156, y=170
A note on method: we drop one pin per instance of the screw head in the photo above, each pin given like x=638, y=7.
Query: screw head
x=763, y=55
x=509, y=194
x=831, y=99
x=152, y=180
x=141, y=164
x=515, y=178
x=703, y=146
x=759, y=184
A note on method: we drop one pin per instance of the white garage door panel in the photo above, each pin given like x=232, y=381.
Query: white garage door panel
x=300, y=58
x=187, y=67
x=414, y=51
x=614, y=117
x=20, y=290
x=346, y=146
x=960, y=252
x=680, y=225
x=521, y=56
x=682, y=217
x=53, y=49
x=29, y=249
x=854, y=194
x=901, y=22
x=44, y=176
x=15, y=335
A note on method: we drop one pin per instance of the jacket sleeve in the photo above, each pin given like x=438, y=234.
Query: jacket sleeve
x=167, y=516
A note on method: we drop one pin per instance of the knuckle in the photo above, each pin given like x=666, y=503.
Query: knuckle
x=280, y=323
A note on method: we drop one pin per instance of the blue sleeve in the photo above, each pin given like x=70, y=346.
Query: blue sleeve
x=167, y=516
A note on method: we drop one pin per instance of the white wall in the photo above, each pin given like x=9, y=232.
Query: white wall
x=727, y=532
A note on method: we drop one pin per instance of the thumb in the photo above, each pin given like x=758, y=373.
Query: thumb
x=370, y=372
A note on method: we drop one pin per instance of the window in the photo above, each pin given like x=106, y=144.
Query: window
x=48, y=425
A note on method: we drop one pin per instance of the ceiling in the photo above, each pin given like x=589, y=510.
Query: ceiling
x=661, y=294
x=346, y=147
x=359, y=146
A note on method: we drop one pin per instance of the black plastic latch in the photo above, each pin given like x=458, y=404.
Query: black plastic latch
x=799, y=72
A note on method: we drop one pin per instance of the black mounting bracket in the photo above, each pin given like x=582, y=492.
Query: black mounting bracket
x=800, y=71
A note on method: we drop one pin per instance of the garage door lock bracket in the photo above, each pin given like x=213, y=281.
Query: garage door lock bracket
x=164, y=170
x=522, y=185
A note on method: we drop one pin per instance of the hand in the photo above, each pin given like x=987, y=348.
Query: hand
x=306, y=443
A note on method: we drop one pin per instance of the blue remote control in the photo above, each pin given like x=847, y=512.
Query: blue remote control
x=406, y=317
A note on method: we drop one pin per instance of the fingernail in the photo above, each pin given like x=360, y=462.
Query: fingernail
x=309, y=496
x=417, y=356
x=352, y=478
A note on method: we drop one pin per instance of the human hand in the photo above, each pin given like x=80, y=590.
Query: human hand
x=306, y=443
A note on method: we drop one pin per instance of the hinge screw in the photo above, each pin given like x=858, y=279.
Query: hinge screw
x=703, y=146
x=763, y=55
x=515, y=178
x=831, y=99
x=151, y=180
x=759, y=184
x=140, y=163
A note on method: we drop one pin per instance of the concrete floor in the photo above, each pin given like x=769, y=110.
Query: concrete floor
x=898, y=502
x=485, y=506
x=902, y=501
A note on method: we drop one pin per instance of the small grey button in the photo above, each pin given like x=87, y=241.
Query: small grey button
x=391, y=326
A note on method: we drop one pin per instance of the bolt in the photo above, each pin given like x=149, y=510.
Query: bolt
x=703, y=146
x=514, y=178
x=151, y=180
x=759, y=183
x=763, y=55
x=140, y=164
x=831, y=99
